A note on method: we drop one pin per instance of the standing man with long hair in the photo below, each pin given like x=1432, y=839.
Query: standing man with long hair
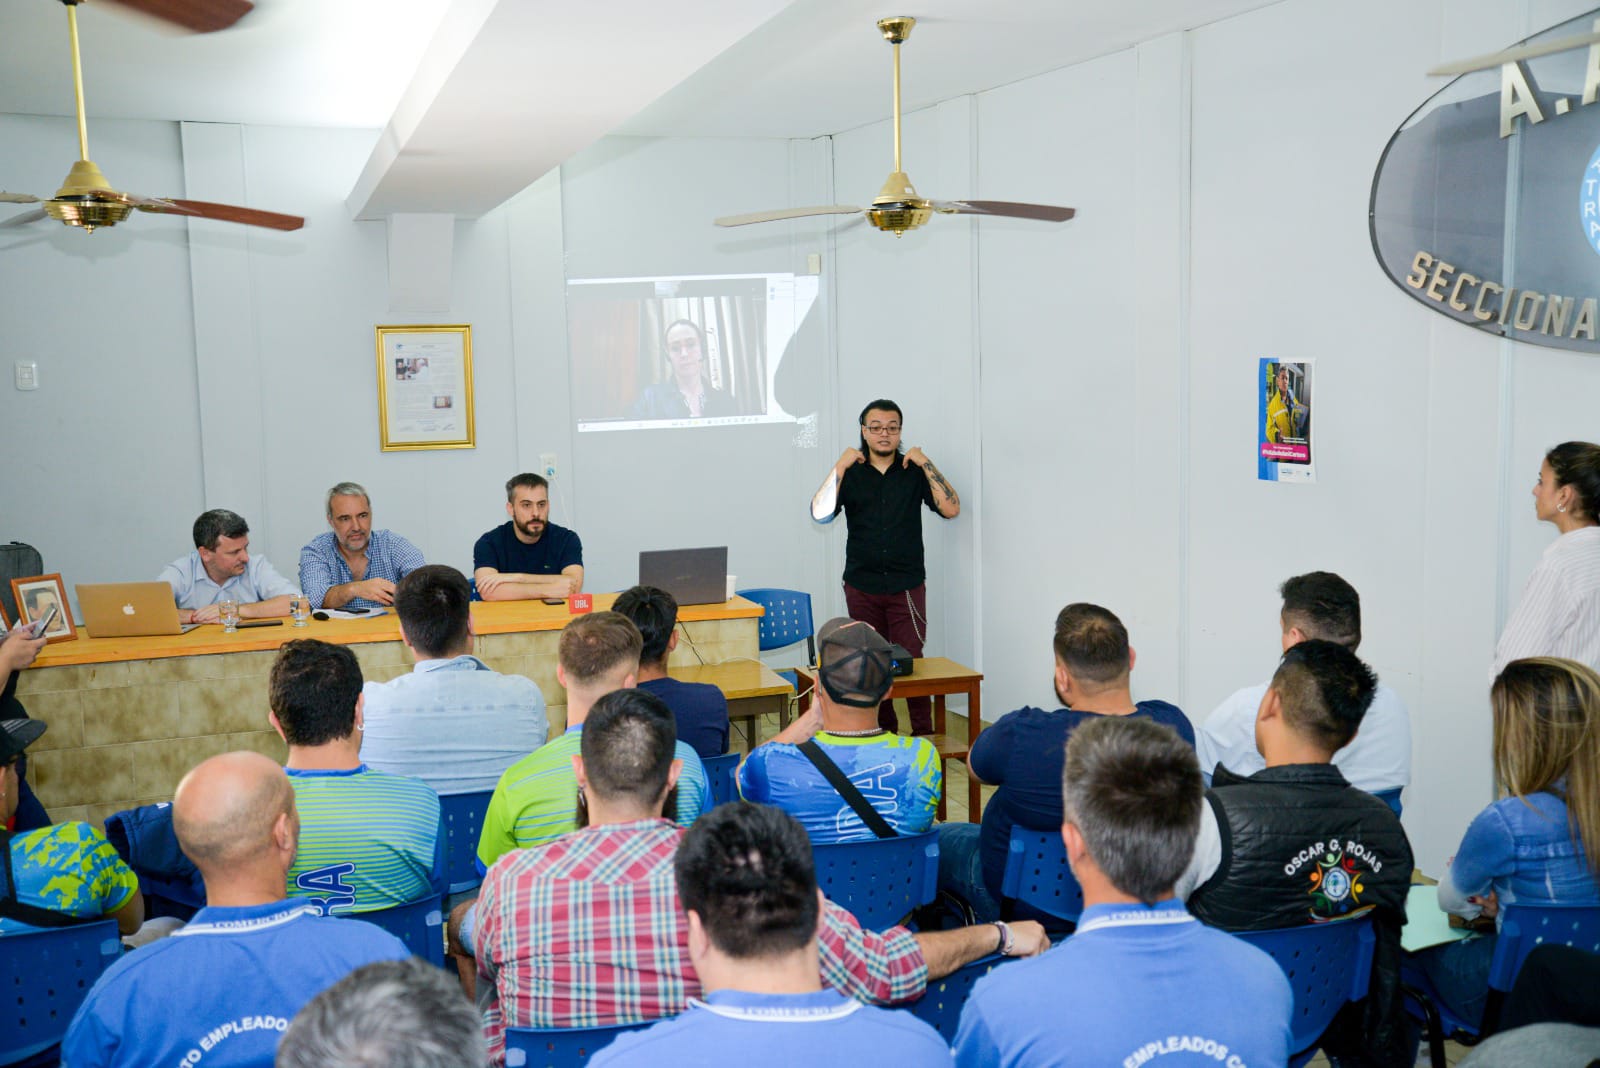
x=880, y=489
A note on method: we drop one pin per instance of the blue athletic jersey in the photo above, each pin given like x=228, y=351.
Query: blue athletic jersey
x=898, y=775
x=71, y=868
x=368, y=840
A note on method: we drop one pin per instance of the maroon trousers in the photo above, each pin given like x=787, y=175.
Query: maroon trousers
x=902, y=618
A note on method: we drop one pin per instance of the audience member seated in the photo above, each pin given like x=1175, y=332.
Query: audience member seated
x=222, y=569
x=897, y=775
x=528, y=556
x=221, y=991
x=368, y=840
x=700, y=709
x=1022, y=753
x=17, y=653
x=352, y=565
x=1141, y=978
x=1295, y=843
x=1378, y=759
x=453, y=722
x=1557, y=984
x=61, y=871
x=748, y=887
x=392, y=1014
x=1540, y=845
x=588, y=931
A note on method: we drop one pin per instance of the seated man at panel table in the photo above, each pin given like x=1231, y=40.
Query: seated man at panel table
x=1295, y=843
x=1021, y=754
x=700, y=708
x=352, y=565
x=1140, y=978
x=748, y=887
x=1316, y=605
x=230, y=981
x=528, y=556
x=222, y=569
x=368, y=840
x=61, y=870
x=897, y=775
x=453, y=723
x=589, y=930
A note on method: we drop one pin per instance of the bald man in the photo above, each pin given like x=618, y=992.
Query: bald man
x=223, y=989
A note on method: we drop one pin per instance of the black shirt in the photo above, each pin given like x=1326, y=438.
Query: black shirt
x=557, y=549
x=883, y=552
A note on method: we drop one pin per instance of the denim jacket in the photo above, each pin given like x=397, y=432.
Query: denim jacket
x=1522, y=848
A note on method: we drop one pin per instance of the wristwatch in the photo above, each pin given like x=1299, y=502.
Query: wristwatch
x=1006, y=942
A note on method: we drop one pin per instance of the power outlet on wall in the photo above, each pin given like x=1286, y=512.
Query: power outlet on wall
x=547, y=465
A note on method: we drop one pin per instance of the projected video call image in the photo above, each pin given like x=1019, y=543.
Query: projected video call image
x=674, y=352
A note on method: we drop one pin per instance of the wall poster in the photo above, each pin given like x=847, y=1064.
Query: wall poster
x=1283, y=421
x=425, y=387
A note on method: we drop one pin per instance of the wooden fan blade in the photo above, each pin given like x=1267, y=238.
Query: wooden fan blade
x=221, y=212
x=24, y=219
x=786, y=213
x=1513, y=55
x=201, y=16
x=18, y=198
x=1010, y=208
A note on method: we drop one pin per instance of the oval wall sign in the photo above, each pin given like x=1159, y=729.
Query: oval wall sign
x=1486, y=202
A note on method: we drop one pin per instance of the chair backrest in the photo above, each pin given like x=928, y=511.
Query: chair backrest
x=1390, y=798
x=1037, y=874
x=560, y=1047
x=940, y=1004
x=419, y=924
x=44, y=977
x=1327, y=965
x=880, y=880
x=787, y=619
x=723, y=773
x=463, y=820
x=1526, y=927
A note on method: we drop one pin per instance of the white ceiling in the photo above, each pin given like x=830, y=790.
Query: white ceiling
x=780, y=69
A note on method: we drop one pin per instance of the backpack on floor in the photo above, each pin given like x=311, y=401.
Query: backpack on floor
x=17, y=560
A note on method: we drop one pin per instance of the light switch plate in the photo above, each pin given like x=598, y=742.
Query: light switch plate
x=27, y=374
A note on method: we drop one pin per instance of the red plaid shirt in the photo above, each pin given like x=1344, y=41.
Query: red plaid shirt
x=587, y=931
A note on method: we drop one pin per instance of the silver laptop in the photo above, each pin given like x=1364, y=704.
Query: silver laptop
x=129, y=609
x=693, y=576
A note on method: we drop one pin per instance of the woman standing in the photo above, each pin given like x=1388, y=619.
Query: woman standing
x=1540, y=845
x=1559, y=614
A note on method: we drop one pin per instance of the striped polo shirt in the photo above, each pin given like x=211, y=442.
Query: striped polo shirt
x=368, y=840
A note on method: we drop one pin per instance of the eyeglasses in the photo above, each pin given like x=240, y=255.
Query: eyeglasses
x=881, y=428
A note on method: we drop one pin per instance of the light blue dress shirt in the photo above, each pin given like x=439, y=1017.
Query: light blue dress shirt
x=455, y=724
x=192, y=588
x=389, y=556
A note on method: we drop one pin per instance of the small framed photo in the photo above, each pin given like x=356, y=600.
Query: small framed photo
x=36, y=596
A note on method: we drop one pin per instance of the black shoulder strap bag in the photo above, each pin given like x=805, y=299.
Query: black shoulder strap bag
x=21, y=911
x=847, y=789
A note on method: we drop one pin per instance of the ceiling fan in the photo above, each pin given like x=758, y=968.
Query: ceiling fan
x=86, y=199
x=897, y=207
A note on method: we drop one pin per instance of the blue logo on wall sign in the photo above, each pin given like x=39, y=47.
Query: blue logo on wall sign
x=1589, y=202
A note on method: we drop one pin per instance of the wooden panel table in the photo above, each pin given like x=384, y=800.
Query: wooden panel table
x=937, y=677
x=129, y=716
x=751, y=687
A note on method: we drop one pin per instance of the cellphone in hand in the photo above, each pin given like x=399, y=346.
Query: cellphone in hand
x=39, y=626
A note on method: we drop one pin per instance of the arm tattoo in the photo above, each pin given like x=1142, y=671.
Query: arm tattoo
x=938, y=481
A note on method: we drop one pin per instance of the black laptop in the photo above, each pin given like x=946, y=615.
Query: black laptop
x=693, y=576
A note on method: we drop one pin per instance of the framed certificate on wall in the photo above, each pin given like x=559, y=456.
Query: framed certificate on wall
x=425, y=387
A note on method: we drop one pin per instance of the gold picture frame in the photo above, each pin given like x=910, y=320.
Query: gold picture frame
x=425, y=388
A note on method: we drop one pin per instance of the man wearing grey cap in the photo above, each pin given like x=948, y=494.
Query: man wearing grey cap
x=896, y=776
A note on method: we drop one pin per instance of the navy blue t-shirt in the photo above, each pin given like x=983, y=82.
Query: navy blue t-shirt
x=1022, y=754
x=701, y=711
x=557, y=549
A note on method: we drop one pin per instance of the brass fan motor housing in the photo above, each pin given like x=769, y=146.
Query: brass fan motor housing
x=897, y=208
x=86, y=199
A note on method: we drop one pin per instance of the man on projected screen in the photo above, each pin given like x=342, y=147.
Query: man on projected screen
x=879, y=489
x=528, y=556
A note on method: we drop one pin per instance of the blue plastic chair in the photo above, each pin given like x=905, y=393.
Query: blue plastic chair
x=1523, y=928
x=560, y=1047
x=941, y=1003
x=1037, y=874
x=1390, y=798
x=880, y=880
x=1327, y=964
x=419, y=924
x=786, y=621
x=463, y=821
x=723, y=772
x=46, y=974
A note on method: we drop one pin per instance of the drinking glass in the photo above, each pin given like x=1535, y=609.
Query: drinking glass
x=299, y=608
x=229, y=610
